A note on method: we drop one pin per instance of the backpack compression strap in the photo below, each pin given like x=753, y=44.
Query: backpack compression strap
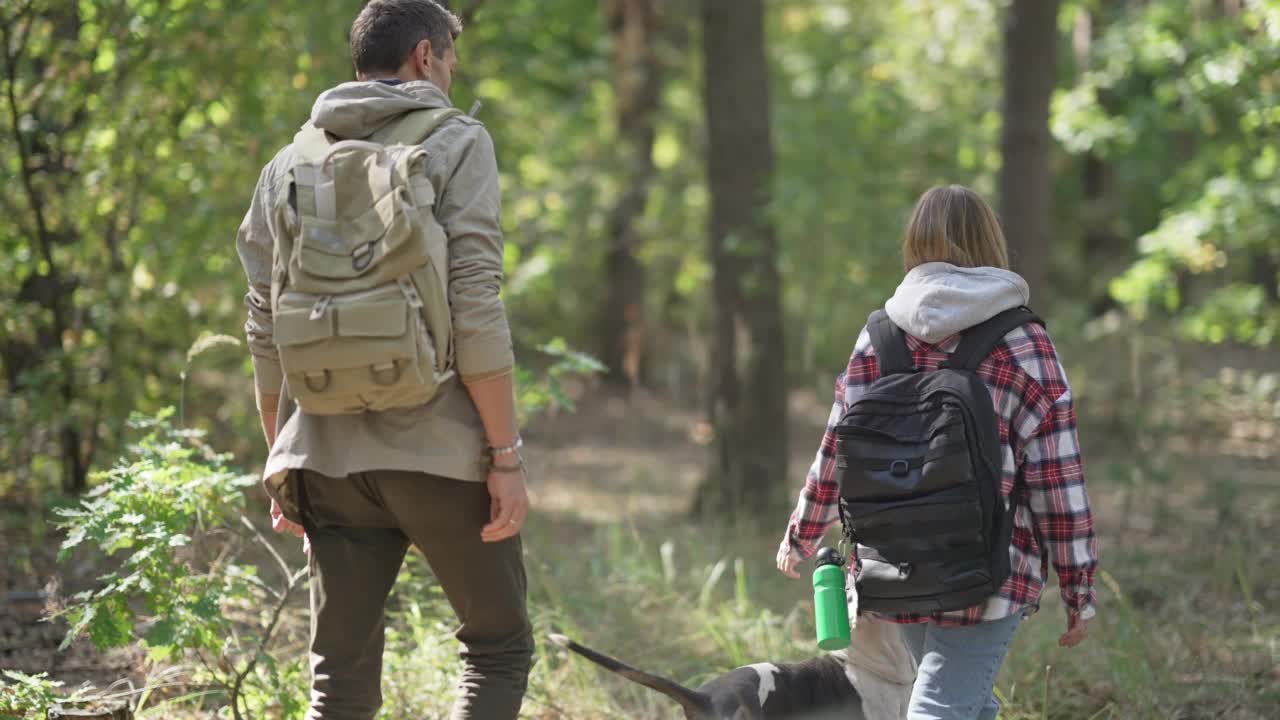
x=978, y=341
x=890, y=343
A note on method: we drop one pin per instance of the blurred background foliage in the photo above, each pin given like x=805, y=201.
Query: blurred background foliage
x=132, y=132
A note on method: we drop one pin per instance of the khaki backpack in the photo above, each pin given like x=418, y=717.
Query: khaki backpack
x=359, y=291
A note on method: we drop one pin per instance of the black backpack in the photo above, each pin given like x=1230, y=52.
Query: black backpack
x=919, y=464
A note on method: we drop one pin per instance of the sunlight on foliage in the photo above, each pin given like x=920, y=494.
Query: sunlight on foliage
x=169, y=511
x=23, y=695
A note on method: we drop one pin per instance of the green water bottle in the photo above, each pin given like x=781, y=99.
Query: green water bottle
x=829, y=603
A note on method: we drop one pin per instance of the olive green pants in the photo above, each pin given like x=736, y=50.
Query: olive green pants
x=360, y=528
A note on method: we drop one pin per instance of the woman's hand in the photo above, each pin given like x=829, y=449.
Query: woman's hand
x=789, y=560
x=1077, y=629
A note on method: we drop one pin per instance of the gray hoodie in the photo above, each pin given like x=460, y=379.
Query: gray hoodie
x=937, y=300
x=445, y=437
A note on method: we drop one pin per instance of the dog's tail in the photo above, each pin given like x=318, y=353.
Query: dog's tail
x=695, y=704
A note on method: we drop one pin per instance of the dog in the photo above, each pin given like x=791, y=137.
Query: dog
x=870, y=680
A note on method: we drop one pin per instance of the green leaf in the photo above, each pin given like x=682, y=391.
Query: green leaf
x=161, y=633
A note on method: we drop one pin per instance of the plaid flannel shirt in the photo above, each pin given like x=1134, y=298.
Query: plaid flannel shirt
x=1041, y=449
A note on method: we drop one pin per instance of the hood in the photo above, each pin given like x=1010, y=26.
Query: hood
x=937, y=300
x=356, y=110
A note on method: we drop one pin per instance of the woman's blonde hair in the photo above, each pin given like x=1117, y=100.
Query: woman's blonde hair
x=953, y=224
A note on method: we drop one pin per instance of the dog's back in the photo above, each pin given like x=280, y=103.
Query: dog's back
x=816, y=689
x=869, y=681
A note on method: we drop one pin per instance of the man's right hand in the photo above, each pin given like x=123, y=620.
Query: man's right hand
x=282, y=524
x=509, y=506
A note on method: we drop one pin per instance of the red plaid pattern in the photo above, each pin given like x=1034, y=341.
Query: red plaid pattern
x=1041, y=446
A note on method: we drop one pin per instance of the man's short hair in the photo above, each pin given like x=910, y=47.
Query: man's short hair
x=387, y=31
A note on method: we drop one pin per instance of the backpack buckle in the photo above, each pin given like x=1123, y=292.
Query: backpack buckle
x=362, y=258
x=320, y=308
x=900, y=468
x=410, y=293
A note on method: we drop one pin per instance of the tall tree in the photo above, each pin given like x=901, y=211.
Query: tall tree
x=1026, y=186
x=748, y=393
x=1105, y=251
x=634, y=26
x=121, y=175
x=45, y=137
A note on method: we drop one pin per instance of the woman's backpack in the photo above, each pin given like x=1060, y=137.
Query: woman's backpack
x=919, y=464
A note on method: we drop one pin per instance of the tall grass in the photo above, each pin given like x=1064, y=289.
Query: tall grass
x=1183, y=486
x=691, y=603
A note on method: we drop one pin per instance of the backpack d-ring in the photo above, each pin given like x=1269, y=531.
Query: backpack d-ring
x=309, y=380
x=363, y=257
x=380, y=373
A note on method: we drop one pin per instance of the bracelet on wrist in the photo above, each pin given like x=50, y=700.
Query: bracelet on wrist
x=508, y=469
x=512, y=449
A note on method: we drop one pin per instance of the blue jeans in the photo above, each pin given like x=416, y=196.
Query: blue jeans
x=958, y=667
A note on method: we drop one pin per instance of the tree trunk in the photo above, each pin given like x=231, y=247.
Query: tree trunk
x=1026, y=185
x=1105, y=252
x=44, y=164
x=748, y=393
x=634, y=26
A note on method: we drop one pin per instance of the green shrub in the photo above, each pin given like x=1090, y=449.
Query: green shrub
x=171, y=512
x=28, y=696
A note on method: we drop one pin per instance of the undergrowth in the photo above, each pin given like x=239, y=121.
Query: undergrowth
x=1182, y=483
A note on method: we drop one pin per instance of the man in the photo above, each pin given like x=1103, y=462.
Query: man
x=366, y=486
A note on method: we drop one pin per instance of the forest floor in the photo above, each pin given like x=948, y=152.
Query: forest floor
x=1189, y=623
x=1189, y=593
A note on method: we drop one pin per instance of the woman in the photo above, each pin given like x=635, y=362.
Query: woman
x=957, y=277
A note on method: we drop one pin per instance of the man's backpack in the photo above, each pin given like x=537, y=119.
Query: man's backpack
x=359, y=289
x=919, y=463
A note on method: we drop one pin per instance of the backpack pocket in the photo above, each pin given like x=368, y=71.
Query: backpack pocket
x=920, y=554
x=889, y=586
x=876, y=466
x=352, y=248
x=367, y=351
x=925, y=529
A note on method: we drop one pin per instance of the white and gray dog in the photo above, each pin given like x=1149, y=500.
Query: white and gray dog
x=871, y=680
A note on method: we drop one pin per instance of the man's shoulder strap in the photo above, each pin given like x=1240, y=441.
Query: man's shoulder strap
x=978, y=341
x=415, y=127
x=310, y=144
x=890, y=343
